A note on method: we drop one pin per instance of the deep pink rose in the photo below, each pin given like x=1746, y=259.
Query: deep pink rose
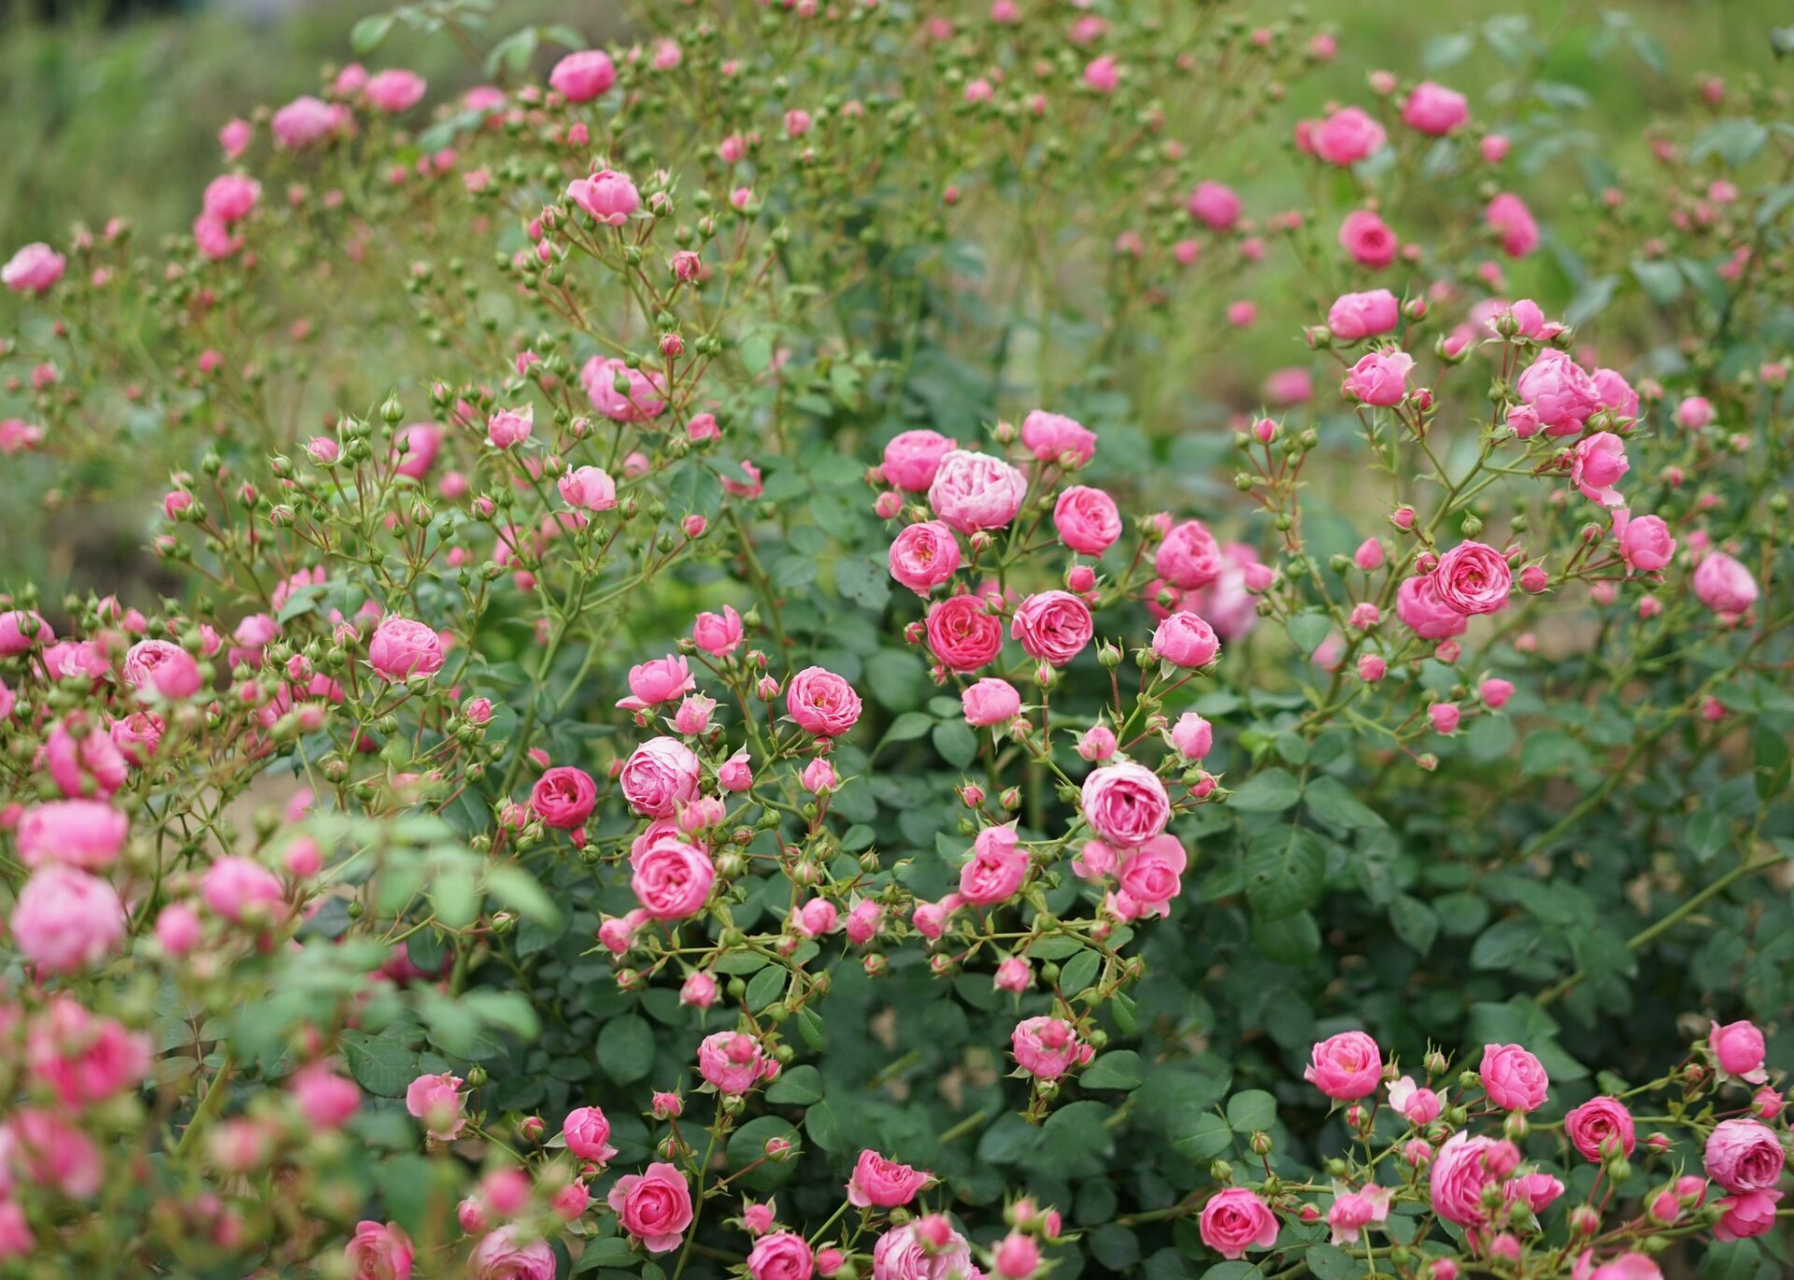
x=379, y=1251
x=1461, y=1170
x=1380, y=378
x=33, y=269
x=1152, y=875
x=1189, y=557
x=1418, y=605
x=1747, y=1214
x=1596, y=465
x=1433, y=109
x=732, y=1061
x=1724, y=585
x=66, y=920
x=671, y=879
x=903, y=1253
x=1513, y=1078
x=1053, y=626
x=1645, y=541
x=402, y=648
x=1473, y=579
x=588, y=489
x=1215, y=205
x=962, y=634
x=587, y=1134
x=1047, y=1048
x=1346, y=1066
x=1347, y=136
x=1087, y=520
x=717, y=634
x=1368, y=239
x=995, y=870
x=1743, y=1156
x=610, y=198
x=563, y=797
x=781, y=1255
x=395, y=90
x=1508, y=216
x=1737, y=1047
x=1234, y=1220
x=76, y=833
x=582, y=76
x=1559, y=391
x=1597, y=1122
x=1185, y=640
x=436, y=1100
x=878, y=1183
x=822, y=702
x=20, y=630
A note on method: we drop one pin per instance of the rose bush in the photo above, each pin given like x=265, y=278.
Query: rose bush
x=651, y=770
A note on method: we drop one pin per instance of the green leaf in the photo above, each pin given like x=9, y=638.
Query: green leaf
x=1267, y=791
x=1661, y=281
x=513, y=52
x=798, y=1086
x=1202, y=1136
x=956, y=742
x=1414, y=922
x=1286, y=868
x=1293, y=940
x=456, y=898
x=606, y=1251
x=767, y=986
x=518, y=890
x=626, y=1049
x=370, y=33
x=1251, y=1111
x=1308, y=630
x=1735, y=141
x=1329, y=1262
x=380, y=1064
x=1116, y=1247
x=1117, y=1069
x=1329, y=801
x=863, y=581
x=749, y=1144
x=1079, y=973
x=908, y=726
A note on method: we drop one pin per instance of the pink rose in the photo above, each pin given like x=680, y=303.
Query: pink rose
x=1414, y=1103
x=822, y=702
x=904, y=1253
x=1047, y=1048
x=973, y=491
x=1189, y=557
x=66, y=920
x=1508, y=216
x=231, y=197
x=1353, y=1211
x=641, y=400
x=242, y=890
x=1724, y=585
x=48, y=1150
x=379, y=1251
x=671, y=879
x=1559, y=392
x=1234, y=1220
x=1289, y=386
x=1215, y=205
x=781, y=1256
x=76, y=833
x=1185, y=640
x=422, y=441
x=582, y=76
x=508, y=428
x=1087, y=520
x=1346, y=1066
x=436, y=1100
x=326, y=1100
x=608, y=196
x=962, y=634
x=990, y=701
x=1464, y=1166
x=1694, y=413
x=587, y=1134
x=1513, y=1078
x=1380, y=378
x=306, y=121
x=1750, y=1213
x=1053, y=436
x=732, y=1061
x=1192, y=736
x=21, y=630
x=913, y=458
x=1473, y=579
x=1597, y=1123
x=717, y=634
x=1596, y=465
x=1363, y=315
x=33, y=269
x=1053, y=626
x=1433, y=109
x=657, y=681
x=563, y=797
x=83, y=1058
x=1645, y=541
x=878, y=1183
x=1743, y=1156
x=923, y=556
x=1367, y=239
x=395, y=90
x=1151, y=876
x=1125, y=804
x=1617, y=396
x=588, y=489
x=88, y=765
x=499, y=1256
x=996, y=869
x=659, y=776
x=1418, y=605
x=1347, y=136
x=1737, y=1047
x=402, y=648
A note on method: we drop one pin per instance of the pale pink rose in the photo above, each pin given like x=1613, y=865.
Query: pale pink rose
x=735, y=774
x=587, y=1134
x=1559, y=392
x=1347, y=136
x=1014, y=975
x=242, y=890
x=588, y=489
x=379, y=1251
x=1354, y=316
x=990, y=701
x=1743, y=1156
x=1380, y=378
x=1125, y=804
x=698, y=990
x=996, y=868
x=1047, y=1048
x=610, y=197
x=402, y=648
x=879, y=1183
x=1185, y=640
x=913, y=458
x=1418, y=605
x=1724, y=585
x=671, y=879
x=582, y=76
x=818, y=917
x=1508, y=216
x=88, y=765
x=924, y=555
x=717, y=634
x=76, y=833
x=436, y=1100
x=234, y=138
x=34, y=269
x=1598, y=1122
x=973, y=491
x=1367, y=239
x=1087, y=520
x=166, y=668
x=1536, y=1190
x=1291, y=386
x=1215, y=204
x=1189, y=557
x=1234, y=1220
x=49, y=1151
x=1473, y=578
x=1514, y=1079
x=66, y=920
x=1051, y=437
x=822, y=702
x=659, y=776
x=1433, y=109
x=500, y=1255
x=1053, y=626
x=1346, y=1066
x=1596, y=465
x=640, y=401
x=508, y=428
x=733, y=1061
x=1617, y=396
x=904, y=1253
x=1737, y=1046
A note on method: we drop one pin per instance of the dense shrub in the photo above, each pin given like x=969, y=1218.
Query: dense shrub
x=729, y=707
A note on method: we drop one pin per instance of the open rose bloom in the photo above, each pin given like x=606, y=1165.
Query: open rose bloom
x=900, y=642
